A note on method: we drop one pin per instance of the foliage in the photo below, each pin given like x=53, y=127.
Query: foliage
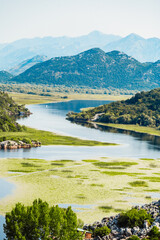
x=102, y=231
x=134, y=237
x=9, y=111
x=40, y=221
x=134, y=218
x=142, y=109
x=50, y=90
x=93, y=68
x=154, y=233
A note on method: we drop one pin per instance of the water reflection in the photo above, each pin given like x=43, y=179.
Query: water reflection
x=151, y=139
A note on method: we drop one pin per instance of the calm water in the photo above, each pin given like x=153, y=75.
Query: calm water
x=6, y=188
x=51, y=117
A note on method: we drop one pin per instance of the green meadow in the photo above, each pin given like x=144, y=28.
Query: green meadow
x=49, y=138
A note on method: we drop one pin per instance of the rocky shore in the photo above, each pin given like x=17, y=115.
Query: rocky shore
x=117, y=232
x=9, y=144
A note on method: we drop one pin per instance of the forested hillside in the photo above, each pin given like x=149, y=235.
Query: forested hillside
x=9, y=112
x=142, y=109
x=95, y=69
x=5, y=76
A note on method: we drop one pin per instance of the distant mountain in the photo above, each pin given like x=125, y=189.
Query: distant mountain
x=5, y=76
x=16, y=52
x=27, y=64
x=144, y=50
x=94, y=68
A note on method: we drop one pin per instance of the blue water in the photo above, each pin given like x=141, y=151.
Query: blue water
x=52, y=117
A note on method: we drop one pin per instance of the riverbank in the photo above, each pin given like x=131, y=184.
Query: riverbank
x=22, y=98
x=49, y=138
x=94, y=188
x=134, y=128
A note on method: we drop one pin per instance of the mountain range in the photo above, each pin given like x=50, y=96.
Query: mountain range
x=12, y=54
x=96, y=69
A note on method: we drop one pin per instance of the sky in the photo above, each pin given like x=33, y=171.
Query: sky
x=39, y=18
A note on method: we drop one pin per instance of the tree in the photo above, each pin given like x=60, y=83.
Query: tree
x=40, y=221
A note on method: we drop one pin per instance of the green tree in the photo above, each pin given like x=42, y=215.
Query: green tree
x=40, y=221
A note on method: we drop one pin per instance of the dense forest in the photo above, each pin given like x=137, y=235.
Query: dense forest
x=9, y=112
x=142, y=109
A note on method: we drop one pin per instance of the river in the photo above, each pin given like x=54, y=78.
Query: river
x=52, y=117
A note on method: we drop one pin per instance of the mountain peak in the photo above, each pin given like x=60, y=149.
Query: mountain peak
x=134, y=36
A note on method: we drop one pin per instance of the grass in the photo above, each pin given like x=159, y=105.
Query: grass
x=49, y=138
x=22, y=98
x=77, y=184
x=135, y=128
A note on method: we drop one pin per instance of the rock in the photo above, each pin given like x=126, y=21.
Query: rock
x=135, y=230
x=128, y=232
x=146, y=224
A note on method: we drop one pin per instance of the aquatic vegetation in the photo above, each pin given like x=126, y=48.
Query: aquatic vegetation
x=138, y=184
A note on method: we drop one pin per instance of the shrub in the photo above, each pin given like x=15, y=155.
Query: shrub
x=134, y=237
x=102, y=231
x=133, y=218
x=154, y=233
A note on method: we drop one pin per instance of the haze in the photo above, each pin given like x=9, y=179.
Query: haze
x=39, y=18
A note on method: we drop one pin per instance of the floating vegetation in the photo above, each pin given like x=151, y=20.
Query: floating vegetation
x=114, y=163
x=138, y=184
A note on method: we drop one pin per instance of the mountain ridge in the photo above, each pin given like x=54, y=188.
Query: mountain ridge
x=94, y=68
x=14, y=53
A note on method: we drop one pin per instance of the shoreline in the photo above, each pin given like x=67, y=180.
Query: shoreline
x=133, y=128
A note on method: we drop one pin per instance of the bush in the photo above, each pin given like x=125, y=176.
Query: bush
x=27, y=141
x=134, y=238
x=102, y=231
x=154, y=234
x=133, y=218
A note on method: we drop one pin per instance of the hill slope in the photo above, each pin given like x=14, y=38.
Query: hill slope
x=5, y=76
x=23, y=66
x=94, y=68
x=9, y=112
x=142, y=109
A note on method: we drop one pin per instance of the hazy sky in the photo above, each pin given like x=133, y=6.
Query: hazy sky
x=31, y=18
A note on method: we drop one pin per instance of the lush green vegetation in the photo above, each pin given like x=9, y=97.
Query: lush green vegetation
x=102, y=231
x=93, y=68
x=154, y=233
x=134, y=218
x=40, y=221
x=9, y=111
x=142, y=109
x=52, y=90
x=48, y=138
